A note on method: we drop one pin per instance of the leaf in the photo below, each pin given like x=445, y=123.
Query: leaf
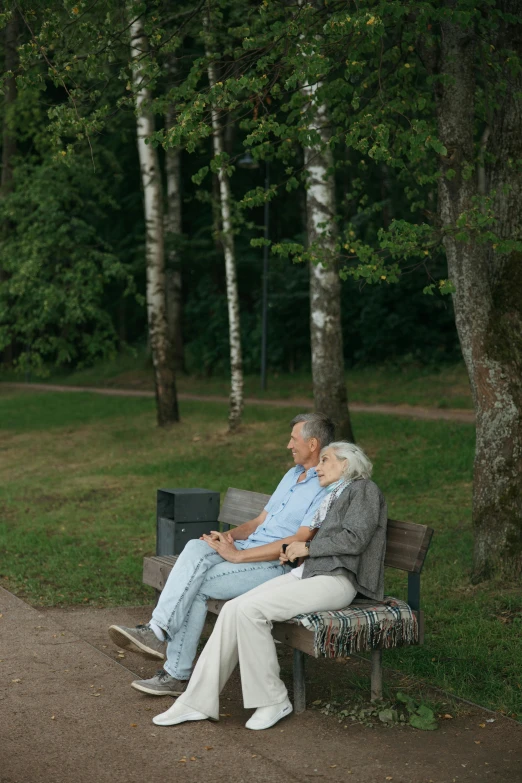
x=386, y=716
x=407, y=700
x=209, y=747
x=425, y=712
x=424, y=722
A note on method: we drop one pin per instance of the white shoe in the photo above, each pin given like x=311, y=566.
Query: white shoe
x=264, y=717
x=178, y=713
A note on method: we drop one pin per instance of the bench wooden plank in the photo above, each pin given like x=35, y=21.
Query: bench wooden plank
x=241, y=505
x=157, y=569
x=406, y=545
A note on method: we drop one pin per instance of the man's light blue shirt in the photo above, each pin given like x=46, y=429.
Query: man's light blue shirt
x=292, y=505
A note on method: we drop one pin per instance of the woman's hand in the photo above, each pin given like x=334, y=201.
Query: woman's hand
x=283, y=559
x=223, y=544
x=295, y=551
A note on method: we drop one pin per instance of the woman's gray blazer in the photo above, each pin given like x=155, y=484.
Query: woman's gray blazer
x=352, y=539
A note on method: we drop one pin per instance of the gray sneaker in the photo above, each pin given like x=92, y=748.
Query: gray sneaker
x=162, y=684
x=141, y=639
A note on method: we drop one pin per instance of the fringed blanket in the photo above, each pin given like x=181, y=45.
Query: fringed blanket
x=364, y=625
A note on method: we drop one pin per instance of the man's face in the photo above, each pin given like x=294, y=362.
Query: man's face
x=298, y=445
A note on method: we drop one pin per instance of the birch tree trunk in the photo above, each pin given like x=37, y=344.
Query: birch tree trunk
x=227, y=240
x=329, y=384
x=173, y=227
x=488, y=302
x=164, y=376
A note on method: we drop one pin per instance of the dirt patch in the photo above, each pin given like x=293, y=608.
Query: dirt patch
x=409, y=411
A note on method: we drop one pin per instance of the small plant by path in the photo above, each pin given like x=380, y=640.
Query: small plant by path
x=403, y=710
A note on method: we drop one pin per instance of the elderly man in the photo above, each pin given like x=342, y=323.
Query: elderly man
x=226, y=565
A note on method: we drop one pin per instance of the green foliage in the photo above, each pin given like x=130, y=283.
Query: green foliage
x=57, y=266
x=420, y=716
x=374, y=67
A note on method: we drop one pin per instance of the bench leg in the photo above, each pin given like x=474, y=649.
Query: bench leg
x=299, y=682
x=376, y=675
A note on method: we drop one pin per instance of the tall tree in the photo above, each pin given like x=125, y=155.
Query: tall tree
x=161, y=348
x=227, y=240
x=329, y=384
x=487, y=279
x=173, y=231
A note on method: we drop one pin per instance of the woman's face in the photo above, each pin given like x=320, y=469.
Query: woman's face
x=330, y=468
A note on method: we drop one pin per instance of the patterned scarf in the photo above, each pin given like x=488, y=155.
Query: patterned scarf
x=333, y=490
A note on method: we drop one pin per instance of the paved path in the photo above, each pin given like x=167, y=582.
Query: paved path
x=68, y=715
x=409, y=411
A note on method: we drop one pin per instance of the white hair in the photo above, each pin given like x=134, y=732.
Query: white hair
x=357, y=463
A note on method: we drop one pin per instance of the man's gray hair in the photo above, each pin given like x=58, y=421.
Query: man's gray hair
x=357, y=463
x=316, y=425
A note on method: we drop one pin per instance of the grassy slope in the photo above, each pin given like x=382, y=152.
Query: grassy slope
x=78, y=476
x=444, y=388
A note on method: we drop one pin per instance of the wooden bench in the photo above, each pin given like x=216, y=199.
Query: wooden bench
x=406, y=549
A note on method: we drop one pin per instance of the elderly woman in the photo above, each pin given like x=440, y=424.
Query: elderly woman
x=344, y=556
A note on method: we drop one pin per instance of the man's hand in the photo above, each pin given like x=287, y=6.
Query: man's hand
x=295, y=551
x=215, y=535
x=223, y=544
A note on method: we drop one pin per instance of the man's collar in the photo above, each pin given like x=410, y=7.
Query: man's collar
x=310, y=473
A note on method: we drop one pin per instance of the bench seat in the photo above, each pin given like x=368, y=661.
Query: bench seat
x=363, y=626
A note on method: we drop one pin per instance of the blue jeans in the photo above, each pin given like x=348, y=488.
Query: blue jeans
x=200, y=574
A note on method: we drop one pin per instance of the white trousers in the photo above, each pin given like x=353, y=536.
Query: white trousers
x=243, y=634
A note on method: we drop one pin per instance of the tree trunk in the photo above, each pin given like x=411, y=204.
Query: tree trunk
x=329, y=384
x=487, y=300
x=164, y=376
x=227, y=239
x=9, y=147
x=173, y=227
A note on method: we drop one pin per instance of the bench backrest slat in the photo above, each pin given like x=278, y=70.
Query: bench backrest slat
x=241, y=505
x=406, y=545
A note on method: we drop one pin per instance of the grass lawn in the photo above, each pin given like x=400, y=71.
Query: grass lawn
x=446, y=387
x=78, y=476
